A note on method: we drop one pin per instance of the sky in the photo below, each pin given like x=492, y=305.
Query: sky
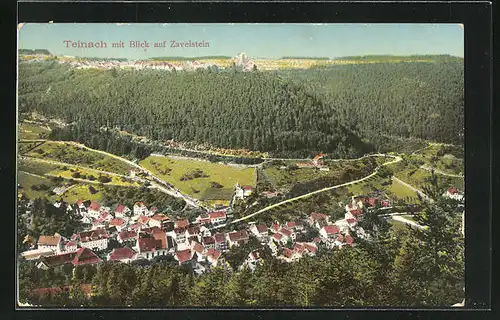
x=257, y=40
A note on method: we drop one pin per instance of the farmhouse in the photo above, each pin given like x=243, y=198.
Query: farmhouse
x=213, y=257
x=217, y=216
x=184, y=256
x=260, y=231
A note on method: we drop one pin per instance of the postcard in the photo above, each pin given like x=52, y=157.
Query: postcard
x=233, y=165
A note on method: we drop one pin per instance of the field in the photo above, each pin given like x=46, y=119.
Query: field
x=72, y=154
x=402, y=192
x=90, y=175
x=81, y=191
x=30, y=131
x=194, y=177
x=26, y=181
x=448, y=159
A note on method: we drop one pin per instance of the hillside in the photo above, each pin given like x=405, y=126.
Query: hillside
x=256, y=111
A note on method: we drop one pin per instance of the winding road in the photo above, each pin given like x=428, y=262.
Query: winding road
x=441, y=172
x=396, y=159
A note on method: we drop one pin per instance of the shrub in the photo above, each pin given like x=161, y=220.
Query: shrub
x=214, y=184
x=104, y=179
x=76, y=174
x=92, y=190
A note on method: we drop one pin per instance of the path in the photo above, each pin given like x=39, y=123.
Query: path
x=397, y=159
x=441, y=172
x=423, y=195
x=169, y=189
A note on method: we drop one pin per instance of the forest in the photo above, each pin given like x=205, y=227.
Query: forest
x=398, y=267
x=344, y=110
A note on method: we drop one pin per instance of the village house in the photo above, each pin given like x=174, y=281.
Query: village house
x=125, y=255
x=140, y=209
x=81, y=207
x=237, y=238
x=220, y=242
x=205, y=232
x=329, y=234
x=180, y=235
x=152, y=211
x=209, y=242
x=148, y=248
x=278, y=239
x=158, y=220
x=128, y=237
x=181, y=223
x=122, y=211
x=94, y=209
x=185, y=257
x=217, y=217
x=70, y=246
x=453, y=193
x=50, y=242
x=193, y=232
x=203, y=219
x=199, y=249
x=242, y=192
x=94, y=239
x=296, y=226
x=213, y=257
x=143, y=221
x=288, y=235
x=274, y=227
x=318, y=220
x=289, y=255
x=119, y=223
x=260, y=231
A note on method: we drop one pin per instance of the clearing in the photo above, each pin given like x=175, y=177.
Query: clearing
x=200, y=179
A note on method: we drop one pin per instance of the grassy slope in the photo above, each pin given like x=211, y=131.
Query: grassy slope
x=73, y=155
x=225, y=175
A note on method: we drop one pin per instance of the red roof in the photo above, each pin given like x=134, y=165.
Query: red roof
x=317, y=240
x=94, y=206
x=217, y=214
x=79, y=202
x=93, y=235
x=143, y=220
x=356, y=212
x=120, y=208
x=275, y=227
x=340, y=238
x=193, y=230
x=184, y=255
x=298, y=247
x=85, y=256
x=197, y=247
x=181, y=223
x=291, y=224
x=117, y=222
x=70, y=244
x=139, y=204
x=74, y=237
x=318, y=216
x=59, y=259
x=452, y=190
x=348, y=239
x=351, y=220
x=220, y=237
x=49, y=240
x=124, y=235
x=285, y=232
x=310, y=247
x=160, y=217
x=371, y=201
x=288, y=253
x=213, y=254
x=247, y=188
x=238, y=235
x=384, y=203
x=261, y=228
x=331, y=229
x=208, y=240
x=277, y=236
x=149, y=244
x=121, y=254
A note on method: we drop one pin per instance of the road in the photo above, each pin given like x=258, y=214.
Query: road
x=423, y=195
x=397, y=159
x=441, y=172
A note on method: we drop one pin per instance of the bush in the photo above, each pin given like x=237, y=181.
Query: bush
x=76, y=174
x=92, y=190
x=91, y=178
x=104, y=179
x=214, y=184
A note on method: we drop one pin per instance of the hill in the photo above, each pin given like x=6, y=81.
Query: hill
x=255, y=111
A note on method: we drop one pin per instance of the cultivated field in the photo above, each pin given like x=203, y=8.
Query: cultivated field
x=198, y=178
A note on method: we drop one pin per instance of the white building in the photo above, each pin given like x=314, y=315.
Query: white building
x=94, y=239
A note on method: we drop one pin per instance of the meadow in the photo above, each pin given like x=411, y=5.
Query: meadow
x=200, y=179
